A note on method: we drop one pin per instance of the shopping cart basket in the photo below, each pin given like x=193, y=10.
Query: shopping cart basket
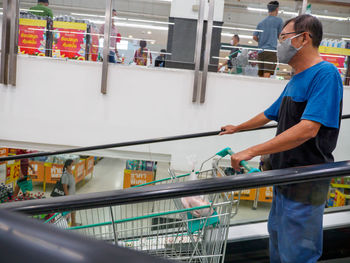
x=167, y=228
x=58, y=219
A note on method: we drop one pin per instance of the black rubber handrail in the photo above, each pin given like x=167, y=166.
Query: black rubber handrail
x=26, y=240
x=131, y=143
x=166, y=191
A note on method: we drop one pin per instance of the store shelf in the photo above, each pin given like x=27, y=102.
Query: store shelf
x=334, y=51
x=347, y=186
x=346, y=196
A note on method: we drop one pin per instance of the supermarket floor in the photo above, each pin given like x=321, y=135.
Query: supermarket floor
x=109, y=173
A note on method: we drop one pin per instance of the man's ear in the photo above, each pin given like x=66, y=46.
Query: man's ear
x=306, y=38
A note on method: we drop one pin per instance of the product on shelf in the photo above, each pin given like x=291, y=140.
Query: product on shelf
x=138, y=165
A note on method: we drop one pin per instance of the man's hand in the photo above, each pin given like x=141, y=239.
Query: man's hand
x=236, y=158
x=229, y=129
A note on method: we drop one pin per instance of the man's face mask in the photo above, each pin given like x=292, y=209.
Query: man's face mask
x=286, y=51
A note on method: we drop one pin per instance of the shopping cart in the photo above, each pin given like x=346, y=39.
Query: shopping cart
x=58, y=219
x=167, y=228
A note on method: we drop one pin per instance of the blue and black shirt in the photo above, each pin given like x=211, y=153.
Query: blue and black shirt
x=314, y=94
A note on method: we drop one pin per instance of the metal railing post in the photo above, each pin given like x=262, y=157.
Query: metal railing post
x=4, y=44
x=106, y=42
x=9, y=42
x=13, y=48
x=304, y=6
x=207, y=50
x=197, y=51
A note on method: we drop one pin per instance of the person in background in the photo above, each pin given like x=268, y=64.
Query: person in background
x=233, y=54
x=141, y=54
x=114, y=37
x=23, y=172
x=160, y=60
x=308, y=113
x=68, y=182
x=41, y=9
x=271, y=28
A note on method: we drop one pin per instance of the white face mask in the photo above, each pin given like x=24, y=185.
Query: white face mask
x=232, y=42
x=286, y=51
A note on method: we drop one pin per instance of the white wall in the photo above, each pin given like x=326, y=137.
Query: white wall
x=183, y=9
x=58, y=102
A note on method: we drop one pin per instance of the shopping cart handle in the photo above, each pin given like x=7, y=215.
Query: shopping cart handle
x=228, y=151
x=224, y=152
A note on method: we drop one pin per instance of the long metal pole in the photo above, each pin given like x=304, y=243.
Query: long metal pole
x=304, y=6
x=182, y=189
x=106, y=41
x=197, y=51
x=131, y=143
x=5, y=42
x=13, y=48
x=207, y=50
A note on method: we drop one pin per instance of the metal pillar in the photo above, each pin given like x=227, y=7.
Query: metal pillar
x=207, y=50
x=107, y=34
x=9, y=43
x=198, y=48
x=304, y=6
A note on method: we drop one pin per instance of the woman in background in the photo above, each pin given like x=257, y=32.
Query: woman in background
x=68, y=182
x=142, y=54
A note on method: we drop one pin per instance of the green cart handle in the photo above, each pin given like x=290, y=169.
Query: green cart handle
x=228, y=151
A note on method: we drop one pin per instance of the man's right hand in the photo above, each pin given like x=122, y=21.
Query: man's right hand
x=229, y=129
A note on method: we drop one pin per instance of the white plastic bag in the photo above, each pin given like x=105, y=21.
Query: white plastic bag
x=195, y=201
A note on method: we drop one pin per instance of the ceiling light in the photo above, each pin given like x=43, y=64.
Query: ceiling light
x=226, y=34
x=122, y=24
x=295, y=14
x=289, y=13
x=153, y=42
x=150, y=21
x=130, y=36
x=149, y=32
x=250, y=48
x=28, y=10
x=90, y=15
x=332, y=17
x=257, y=9
x=240, y=28
x=250, y=42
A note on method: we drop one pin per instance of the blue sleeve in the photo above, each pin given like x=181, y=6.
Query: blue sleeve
x=325, y=99
x=272, y=112
x=256, y=33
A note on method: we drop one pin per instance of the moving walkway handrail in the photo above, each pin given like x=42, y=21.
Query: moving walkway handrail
x=23, y=239
x=132, y=143
x=166, y=191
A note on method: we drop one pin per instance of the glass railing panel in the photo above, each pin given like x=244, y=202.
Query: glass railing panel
x=241, y=54
x=153, y=34
x=61, y=31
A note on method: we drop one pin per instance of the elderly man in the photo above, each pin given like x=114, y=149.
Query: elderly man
x=308, y=113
